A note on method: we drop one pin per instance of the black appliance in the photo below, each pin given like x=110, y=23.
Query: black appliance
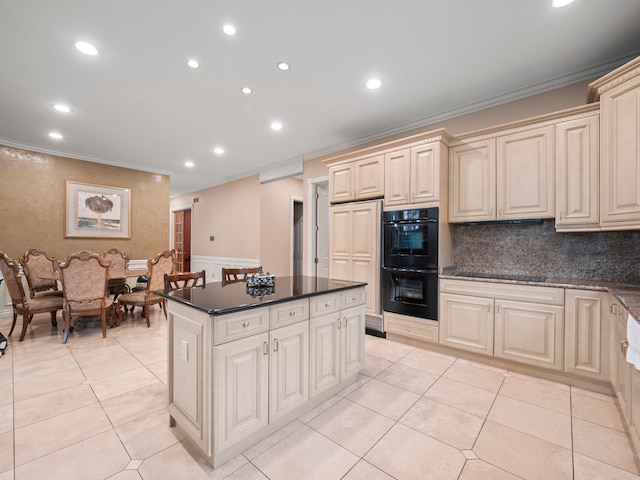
x=410, y=262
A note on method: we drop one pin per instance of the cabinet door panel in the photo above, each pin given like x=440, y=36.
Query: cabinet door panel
x=340, y=231
x=586, y=334
x=396, y=181
x=466, y=322
x=324, y=353
x=369, y=178
x=472, y=182
x=241, y=389
x=341, y=183
x=425, y=173
x=352, y=341
x=578, y=173
x=529, y=333
x=620, y=174
x=289, y=368
x=525, y=175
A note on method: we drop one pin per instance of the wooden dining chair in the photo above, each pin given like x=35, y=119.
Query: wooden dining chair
x=117, y=274
x=157, y=267
x=20, y=303
x=233, y=275
x=178, y=280
x=85, y=276
x=39, y=270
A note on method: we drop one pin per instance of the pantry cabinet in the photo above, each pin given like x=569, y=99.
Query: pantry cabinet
x=510, y=176
x=358, y=180
x=354, y=246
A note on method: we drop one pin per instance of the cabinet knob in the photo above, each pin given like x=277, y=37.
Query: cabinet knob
x=245, y=324
x=291, y=314
x=327, y=304
x=354, y=298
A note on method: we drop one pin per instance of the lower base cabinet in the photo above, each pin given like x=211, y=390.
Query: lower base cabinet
x=235, y=379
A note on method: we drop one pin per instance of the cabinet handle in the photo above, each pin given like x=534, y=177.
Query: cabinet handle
x=265, y=348
x=245, y=324
x=498, y=308
x=614, y=308
x=338, y=324
x=489, y=308
x=275, y=344
x=623, y=348
x=344, y=322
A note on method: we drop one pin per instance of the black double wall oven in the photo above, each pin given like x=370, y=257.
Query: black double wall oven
x=410, y=262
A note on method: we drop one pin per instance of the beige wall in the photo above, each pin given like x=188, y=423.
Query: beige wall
x=32, y=205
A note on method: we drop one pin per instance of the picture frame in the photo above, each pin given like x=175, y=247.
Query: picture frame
x=97, y=211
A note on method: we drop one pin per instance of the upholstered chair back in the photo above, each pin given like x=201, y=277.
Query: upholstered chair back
x=38, y=268
x=119, y=262
x=12, y=279
x=84, y=277
x=158, y=266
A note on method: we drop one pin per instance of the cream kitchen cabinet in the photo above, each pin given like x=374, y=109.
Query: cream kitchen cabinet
x=578, y=174
x=412, y=175
x=621, y=369
x=587, y=333
x=235, y=378
x=620, y=147
x=509, y=177
x=354, y=246
x=358, y=180
x=521, y=323
x=336, y=343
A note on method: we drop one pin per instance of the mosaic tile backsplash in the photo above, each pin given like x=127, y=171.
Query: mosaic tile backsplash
x=536, y=249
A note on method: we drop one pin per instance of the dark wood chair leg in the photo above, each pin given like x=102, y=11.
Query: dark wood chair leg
x=25, y=324
x=164, y=309
x=54, y=322
x=103, y=321
x=13, y=325
x=67, y=326
x=146, y=310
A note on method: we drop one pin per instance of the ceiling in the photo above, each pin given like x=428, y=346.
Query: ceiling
x=137, y=104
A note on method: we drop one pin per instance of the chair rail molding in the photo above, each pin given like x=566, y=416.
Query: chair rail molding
x=213, y=265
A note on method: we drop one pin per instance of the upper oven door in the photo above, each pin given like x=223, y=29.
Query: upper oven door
x=411, y=243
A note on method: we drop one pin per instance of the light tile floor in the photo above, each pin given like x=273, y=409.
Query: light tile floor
x=96, y=408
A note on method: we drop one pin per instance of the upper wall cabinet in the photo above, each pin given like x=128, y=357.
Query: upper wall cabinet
x=577, y=173
x=619, y=94
x=508, y=177
x=412, y=175
x=359, y=180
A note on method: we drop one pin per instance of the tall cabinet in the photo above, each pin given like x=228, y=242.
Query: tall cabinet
x=354, y=247
x=619, y=94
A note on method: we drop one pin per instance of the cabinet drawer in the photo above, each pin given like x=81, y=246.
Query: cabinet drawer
x=411, y=327
x=354, y=297
x=239, y=325
x=506, y=291
x=288, y=313
x=323, y=304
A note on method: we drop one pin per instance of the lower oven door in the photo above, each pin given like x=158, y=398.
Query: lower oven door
x=410, y=292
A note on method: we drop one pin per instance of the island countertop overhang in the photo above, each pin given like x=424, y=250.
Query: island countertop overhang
x=218, y=299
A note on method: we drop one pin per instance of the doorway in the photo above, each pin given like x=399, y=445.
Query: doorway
x=319, y=227
x=296, y=240
x=182, y=239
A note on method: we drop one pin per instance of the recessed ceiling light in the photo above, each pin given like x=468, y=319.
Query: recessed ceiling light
x=284, y=66
x=373, y=83
x=246, y=90
x=188, y=163
x=218, y=150
x=561, y=3
x=276, y=126
x=193, y=63
x=87, y=48
x=229, y=29
x=61, y=108
x=55, y=135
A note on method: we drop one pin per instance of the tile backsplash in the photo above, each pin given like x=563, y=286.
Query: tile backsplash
x=536, y=249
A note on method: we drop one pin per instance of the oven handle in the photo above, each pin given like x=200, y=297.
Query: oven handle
x=410, y=222
x=410, y=270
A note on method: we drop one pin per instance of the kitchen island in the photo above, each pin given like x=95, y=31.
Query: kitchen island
x=244, y=361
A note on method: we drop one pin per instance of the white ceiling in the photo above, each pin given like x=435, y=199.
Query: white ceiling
x=136, y=104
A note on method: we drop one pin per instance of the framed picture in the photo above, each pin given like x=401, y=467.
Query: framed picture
x=97, y=211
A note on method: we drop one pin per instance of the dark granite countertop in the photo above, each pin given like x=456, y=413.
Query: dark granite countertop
x=627, y=294
x=216, y=299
